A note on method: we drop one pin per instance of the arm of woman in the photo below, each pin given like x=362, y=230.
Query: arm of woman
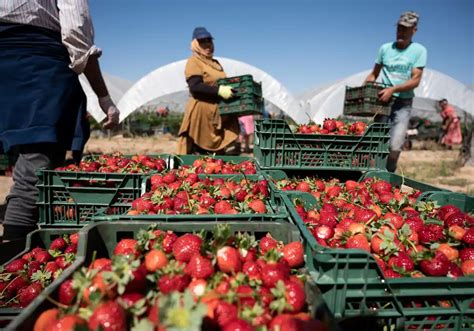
x=201, y=91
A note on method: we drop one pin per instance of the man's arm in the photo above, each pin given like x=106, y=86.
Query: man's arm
x=374, y=74
x=95, y=78
x=410, y=84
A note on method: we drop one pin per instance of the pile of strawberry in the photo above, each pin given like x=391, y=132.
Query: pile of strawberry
x=181, y=192
x=117, y=163
x=23, y=279
x=334, y=127
x=205, y=281
x=209, y=165
x=406, y=238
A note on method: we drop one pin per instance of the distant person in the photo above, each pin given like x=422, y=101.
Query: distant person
x=246, y=132
x=401, y=63
x=203, y=129
x=44, y=46
x=451, y=125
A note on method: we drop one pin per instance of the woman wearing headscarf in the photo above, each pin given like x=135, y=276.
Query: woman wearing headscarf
x=203, y=130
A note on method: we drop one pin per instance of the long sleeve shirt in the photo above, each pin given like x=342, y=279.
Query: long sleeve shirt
x=69, y=17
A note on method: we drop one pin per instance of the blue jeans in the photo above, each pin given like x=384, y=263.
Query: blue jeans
x=398, y=119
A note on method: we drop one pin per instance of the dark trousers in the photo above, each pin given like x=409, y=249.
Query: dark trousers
x=21, y=215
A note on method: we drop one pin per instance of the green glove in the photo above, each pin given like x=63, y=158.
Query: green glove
x=225, y=92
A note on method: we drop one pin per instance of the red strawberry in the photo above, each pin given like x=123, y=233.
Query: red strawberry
x=446, y=210
x=102, y=264
x=66, y=293
x=358, y=241
x=224, y=313
x=199, y=267
x=126, y=247
x=186, y=246
x=466, y=254
x=16, y=265
x=252, y=270
x=138, y=281
x=381, y=186
x=468, y=237
x=42, y=256
x=64, y=261
x=395, y=219
x=303, y=186
x=389, y=273
x=27, y=294
x=437, y=266
x=168, y=284
x=58, y=244
x=238, y=325
x=72, y=249
x=228, y=260
x=109, y=316
x=245, y=296
x=456, y=218
x=222, y=207
x=295, y=296
x=363, y=215
x=68, y=322
x=51, y=267
x=168, y=242
x=274, y=272
x=329, y=124
x=131, y=298
x=267, y=243
x=33, y=267
x=454, y=271
x=15, y=285
x=293, y=253
x=74, y=238
x=240, y=195
x=402, y=261
x=415, y=223
x=258, y=206
x=169, y=178
x=430, y=234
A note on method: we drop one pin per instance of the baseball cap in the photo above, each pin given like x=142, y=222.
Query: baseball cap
x=201, y=33
x=409, y=19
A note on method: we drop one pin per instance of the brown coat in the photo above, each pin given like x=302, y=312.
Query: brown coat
x=202, y=124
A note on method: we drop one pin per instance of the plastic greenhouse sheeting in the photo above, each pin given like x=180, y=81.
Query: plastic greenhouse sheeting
x=170, y=79
x=329, y=101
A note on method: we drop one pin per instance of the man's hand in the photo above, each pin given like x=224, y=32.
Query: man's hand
x=386, y=94
x=111, y=111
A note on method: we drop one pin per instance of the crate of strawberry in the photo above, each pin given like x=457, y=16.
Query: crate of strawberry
x=395, y=257
x=186, y=276
x=71, y=195
x=334, y=145
x=47, y=254
x=216, y=165
x=180, y=195
x=364, y=100
x=247, y=96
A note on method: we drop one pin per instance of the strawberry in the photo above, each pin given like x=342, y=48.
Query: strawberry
x=15, y=285
x=186, y=246
x=46, y=319
x=293, y=253
x=395, y=219
x=415, y=223
x=169, y=178
x=446, y=210
x=329, y=125
x=358, y=241
x=224, y=313
x=168, y=242
x=467, y=267
x=154, y=260
x=245, y=296
x=16, y=265
x=27, y=294
x=466, y=254
x=274, y=272
x=71, y=249
x=68, y=322
x=51, y=267
x=468, y=236
x=168, y=284
x=430, y=234
x=238, y=325
x=42, y=256
x=303, y=186
x=252, y=270
x=126, y=247
x=109, y=316
x=131, y=298
x=258, y=206
x=222, y=207
x=437, y=266
x=33, y=267
x=293, y=294
x=199, y=267
x=454, y=271
x=228, y=260
x=64, y=261
x=389, y=273
x=267, y=243
x=102, y=264
x=58, y=244
x=401, y=261
x=74, y=238
x=363, y=215
x=138, y=281
x=66, y=293
x=381, y=186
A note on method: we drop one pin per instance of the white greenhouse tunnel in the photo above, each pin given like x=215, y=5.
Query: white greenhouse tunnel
x=317, y=103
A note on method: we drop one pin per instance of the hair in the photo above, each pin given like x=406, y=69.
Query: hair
x=443, y=100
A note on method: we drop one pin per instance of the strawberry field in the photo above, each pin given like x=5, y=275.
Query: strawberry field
x=167, y=242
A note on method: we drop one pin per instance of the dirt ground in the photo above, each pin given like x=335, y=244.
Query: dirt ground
x=437, y=167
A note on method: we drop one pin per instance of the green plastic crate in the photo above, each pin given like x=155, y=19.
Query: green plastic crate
x=40, y=238
x=62, y=202
x=277, y=147
x=352, y=284
x=102, y=238
x=248, y=105
x=242, y=85
x=366, y=108
x=370, y=90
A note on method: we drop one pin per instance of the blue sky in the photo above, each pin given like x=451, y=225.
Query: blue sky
x=301, y=43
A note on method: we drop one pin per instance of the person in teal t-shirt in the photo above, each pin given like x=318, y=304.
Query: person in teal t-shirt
x=401, y=63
